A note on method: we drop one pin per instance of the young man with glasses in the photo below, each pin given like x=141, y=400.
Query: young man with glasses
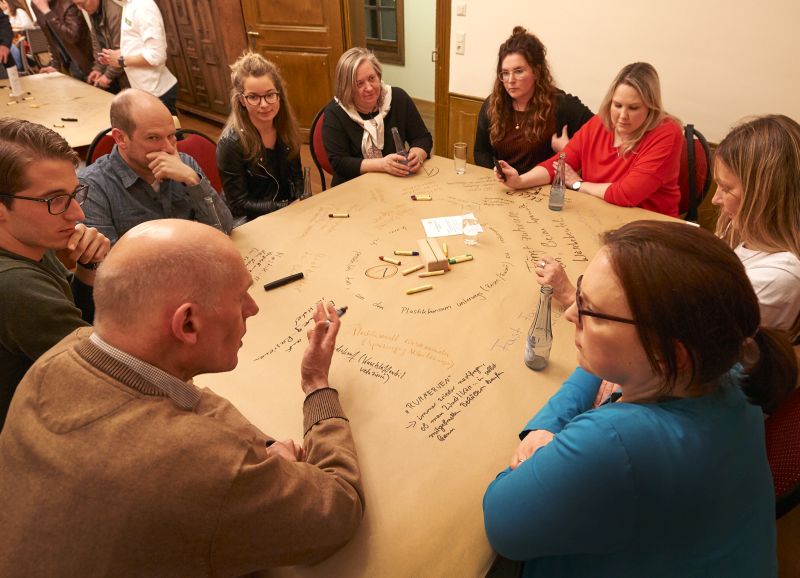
x=40, y=198
x=145, y=177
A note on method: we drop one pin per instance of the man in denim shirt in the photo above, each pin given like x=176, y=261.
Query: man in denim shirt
x=145, y=177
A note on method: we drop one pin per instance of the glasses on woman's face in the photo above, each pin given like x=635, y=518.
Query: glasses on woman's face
x=517, y=73
x=582, y=311
x=254, y=99
x=59, y=203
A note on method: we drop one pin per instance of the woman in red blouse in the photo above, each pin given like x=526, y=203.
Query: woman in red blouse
x=628, y=154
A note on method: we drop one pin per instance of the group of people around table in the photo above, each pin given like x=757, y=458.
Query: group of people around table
x=110, y=44
x=116, y=462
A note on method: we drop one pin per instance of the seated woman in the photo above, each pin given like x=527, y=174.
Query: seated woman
x=757, y=169
x=671, y=478
x=526, y=118
x=629, y=154
x=358, y=122
x=20, y=20
x=258, y=154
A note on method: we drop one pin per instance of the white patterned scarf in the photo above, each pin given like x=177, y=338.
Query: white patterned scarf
x=372, y=139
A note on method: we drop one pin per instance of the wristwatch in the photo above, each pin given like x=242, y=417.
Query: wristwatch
x=121, y=61
x=576, y=186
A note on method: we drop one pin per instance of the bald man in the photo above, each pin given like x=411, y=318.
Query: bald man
x=145, y=177
x=112, y=463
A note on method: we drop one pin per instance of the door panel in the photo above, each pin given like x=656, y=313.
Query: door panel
x=305, y=39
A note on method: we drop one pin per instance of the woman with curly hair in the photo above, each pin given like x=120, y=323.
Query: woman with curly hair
x=258, y=154
x=526, y=118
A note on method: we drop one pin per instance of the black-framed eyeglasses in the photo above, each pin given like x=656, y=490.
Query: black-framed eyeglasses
x=589, y=313
x=255, y=99
x=58, y=203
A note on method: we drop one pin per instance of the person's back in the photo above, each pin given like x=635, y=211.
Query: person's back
x=113, y=462
x=142, y=484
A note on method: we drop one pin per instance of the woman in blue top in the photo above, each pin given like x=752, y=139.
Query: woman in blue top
x=671, y=478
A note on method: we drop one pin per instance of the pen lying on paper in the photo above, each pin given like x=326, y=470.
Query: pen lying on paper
x=284, y=281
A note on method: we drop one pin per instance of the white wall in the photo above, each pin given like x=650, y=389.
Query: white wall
x=719, y=60
x=417, y=77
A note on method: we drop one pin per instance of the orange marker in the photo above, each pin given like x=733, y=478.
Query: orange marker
x=388, y=260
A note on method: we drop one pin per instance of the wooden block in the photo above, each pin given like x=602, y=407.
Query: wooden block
x=432, y=255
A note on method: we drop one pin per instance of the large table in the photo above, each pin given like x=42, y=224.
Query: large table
x=54, y=96
x=434, y=383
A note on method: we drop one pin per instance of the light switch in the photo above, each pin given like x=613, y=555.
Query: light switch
x=461, y=9
x=460, y=42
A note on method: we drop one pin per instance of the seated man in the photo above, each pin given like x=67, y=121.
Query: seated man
x=39, y=214
x=145, y=177
x=126, y=468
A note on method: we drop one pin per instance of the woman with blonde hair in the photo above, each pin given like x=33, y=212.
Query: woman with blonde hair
x=757, y=169
x=526, y=118
x=629, y=154
x=258, y=154
x=357, y=130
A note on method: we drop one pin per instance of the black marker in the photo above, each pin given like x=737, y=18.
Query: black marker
x=341, y=310
x=281, y=282
x=68, y=119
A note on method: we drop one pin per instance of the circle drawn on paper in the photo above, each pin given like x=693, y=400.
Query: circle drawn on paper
x=381, y=271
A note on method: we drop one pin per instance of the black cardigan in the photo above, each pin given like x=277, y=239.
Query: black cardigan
x=342, y=136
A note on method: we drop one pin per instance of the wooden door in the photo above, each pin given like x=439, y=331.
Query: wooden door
x=305, y=39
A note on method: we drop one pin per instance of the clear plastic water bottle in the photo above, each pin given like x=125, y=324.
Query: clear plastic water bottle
x=212, y=212
x=557, y=188
x=399, y=146
x=540, y=335
x=306, y=183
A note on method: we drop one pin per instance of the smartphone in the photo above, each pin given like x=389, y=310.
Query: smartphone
x=499, y=170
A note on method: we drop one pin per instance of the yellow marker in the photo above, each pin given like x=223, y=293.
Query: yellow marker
x=412, y=269
x=460, y=259
x=421, y=198
x=419, y=289
x=338, y=215
x=34, y=106
x=406, y=253
x=444, y=249
x=389, y=260
x=10, y=102
x=431, y=274
x=58, y=126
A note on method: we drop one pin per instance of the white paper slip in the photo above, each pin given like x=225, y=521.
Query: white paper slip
x=446, y=226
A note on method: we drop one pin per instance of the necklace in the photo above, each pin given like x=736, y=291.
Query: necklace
x=516, y=118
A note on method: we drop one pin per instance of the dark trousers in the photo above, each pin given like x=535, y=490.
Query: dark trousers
x=170, y=98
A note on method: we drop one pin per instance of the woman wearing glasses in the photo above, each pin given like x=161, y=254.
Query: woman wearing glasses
x=628, y=155
x=671, y=478
x=757, y=169
x=357, y=130
x=258, y=154
x=526, y=119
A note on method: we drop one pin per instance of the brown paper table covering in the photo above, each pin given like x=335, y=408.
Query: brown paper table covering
x=434, y=383
x=54, y=96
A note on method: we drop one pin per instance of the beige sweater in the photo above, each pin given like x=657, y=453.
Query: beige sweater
x=102, y=475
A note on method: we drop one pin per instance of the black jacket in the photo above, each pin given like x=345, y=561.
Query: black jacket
x=256, y=188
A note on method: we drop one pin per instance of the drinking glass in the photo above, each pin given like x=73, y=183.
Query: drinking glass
x=460, y=157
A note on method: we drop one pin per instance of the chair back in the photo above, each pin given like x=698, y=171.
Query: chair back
x=35, y=48
x=782, y=432
x=101, y=145
x=318, y=152
x=203, y=150
x=695, y=174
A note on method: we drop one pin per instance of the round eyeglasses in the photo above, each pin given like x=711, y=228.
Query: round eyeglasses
x=58, y=203
x=517, y=73
x=255, y=99
x=582, y=311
